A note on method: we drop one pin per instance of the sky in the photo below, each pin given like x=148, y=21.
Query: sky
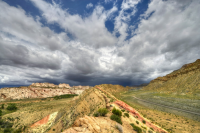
x=90, y=42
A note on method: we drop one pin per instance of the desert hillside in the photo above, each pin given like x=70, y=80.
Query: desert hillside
x=39, y=90
x=182, y=81
x=95, y=110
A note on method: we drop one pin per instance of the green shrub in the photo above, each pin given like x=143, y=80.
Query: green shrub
x=126, y=114
x=122, y=110
x=2, y=106
x=0, y=113
x=103, y=111
x=137, y=122
x=143, y=121
x=11, y=107
x=7, y=130
x=96, y=114
x=136, y=128
x=150, y=131
x=19, y=130
x=151, y=128
x=64, y=96
x=116, y=112
x=116, y=118
x=10, y=118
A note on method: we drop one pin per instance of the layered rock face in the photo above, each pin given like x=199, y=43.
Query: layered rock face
x=39, y=90
x=184, y=80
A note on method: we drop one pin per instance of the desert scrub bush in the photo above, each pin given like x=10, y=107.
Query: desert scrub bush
x=119, y=127
x=103, y=111
x=0, y=113
x=64, y=96
x=19, y=130
x=123, y=110
x=136, y=128
x=116, y=118
x=2, y=106
x=96, y=114
x=137, y=122
x=7, y=130
x=150, y=131
x=11, y=107
x=143, y=121
x=117, y=112
x=126, y=114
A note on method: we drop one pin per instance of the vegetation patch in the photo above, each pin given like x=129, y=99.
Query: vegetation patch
x=126, y=114
x=116, y=118
x=2, y=106
x=117, y=112
x=101, y=112
x=65, y=96
x=136, y=128
x=11, y=107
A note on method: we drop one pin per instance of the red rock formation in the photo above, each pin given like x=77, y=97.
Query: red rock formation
x=41, y=122
x=135, y=113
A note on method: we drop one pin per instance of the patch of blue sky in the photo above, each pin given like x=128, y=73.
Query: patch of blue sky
x=109, y=24
x=136, y=18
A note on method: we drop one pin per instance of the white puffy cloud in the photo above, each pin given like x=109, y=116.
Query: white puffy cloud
x=166, y=38
x=90, y=5
x=90, y=30
x=121, y=21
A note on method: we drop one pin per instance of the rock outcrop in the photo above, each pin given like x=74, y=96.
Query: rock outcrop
x=184, y=80
x=39, y=90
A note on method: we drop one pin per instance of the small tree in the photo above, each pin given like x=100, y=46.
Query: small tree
x=11, y=107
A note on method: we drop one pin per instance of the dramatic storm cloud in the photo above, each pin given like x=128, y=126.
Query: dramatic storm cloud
x=91, y=42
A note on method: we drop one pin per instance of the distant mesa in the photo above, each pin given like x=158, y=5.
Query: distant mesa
x=50, y=85
x=40, y=90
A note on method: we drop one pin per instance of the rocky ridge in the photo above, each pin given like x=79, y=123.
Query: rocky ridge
x=184, y=80
x=39, y=90
x=79, y=118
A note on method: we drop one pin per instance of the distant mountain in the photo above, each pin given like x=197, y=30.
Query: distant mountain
x=185, y=80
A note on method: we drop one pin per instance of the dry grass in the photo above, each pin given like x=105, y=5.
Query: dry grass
x=169, y=121
x=31, y=111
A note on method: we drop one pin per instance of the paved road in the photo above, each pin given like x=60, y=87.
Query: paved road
x=187, y=111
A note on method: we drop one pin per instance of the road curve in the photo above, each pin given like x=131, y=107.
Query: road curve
x=187, y=111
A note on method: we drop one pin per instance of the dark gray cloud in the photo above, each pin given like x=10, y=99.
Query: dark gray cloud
x=163, y=42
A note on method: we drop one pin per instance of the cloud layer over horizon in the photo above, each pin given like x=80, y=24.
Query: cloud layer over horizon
x=125, y=42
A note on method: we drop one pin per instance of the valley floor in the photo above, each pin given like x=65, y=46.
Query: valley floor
x=178, y=114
